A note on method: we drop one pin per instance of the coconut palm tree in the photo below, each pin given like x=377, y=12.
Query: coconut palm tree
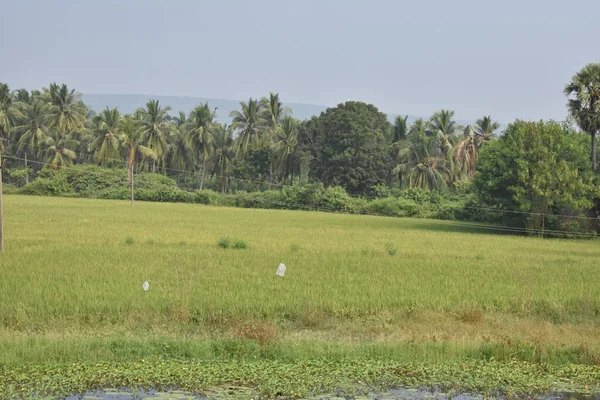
x=422, y=165
x=285, y=144
x=199, y=137
x=441, y=124
x=466, y=152
x=133, y=137
x=67, y=111
x=9, y=112
x=106, y=145
x=584, y=103
x=400, y=128
x=34, y=130
x=223, y=148
x=156, y=129
x=59, y=151
x=249, y=123
x=273, y=111
x=179, y=154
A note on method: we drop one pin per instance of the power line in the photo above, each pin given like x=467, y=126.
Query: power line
x=500, y=228
x=93, y=160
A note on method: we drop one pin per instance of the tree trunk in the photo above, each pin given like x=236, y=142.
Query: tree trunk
x=132, y=191
x=270, y=175
x=203, y=172
x=26, y=174
x=1, y=214
x=594, y=157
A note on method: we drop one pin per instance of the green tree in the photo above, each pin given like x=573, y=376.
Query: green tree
x=199, y=137
x=535, y=167
x=466, y=152
x=285, y=145
x=34, y=130
x=400, y=128
x=442, y=124
x=59, y=151
x=421, y=164
x=106, y=146
x=249, y=123
x=133, y=137
x=180, y=155
x=354, y=148
x=156, y=129
x=67, y=111
x=223, y=153
x=584, y=103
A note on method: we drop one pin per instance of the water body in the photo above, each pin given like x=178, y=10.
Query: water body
x=248, y=393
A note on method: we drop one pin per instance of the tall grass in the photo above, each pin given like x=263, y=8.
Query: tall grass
x=65, y=266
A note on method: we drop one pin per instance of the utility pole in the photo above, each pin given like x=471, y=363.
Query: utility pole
x=1, y=214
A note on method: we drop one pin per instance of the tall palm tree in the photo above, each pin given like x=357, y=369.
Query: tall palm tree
x=66, y=108
x=400, y=128
x=485, y=127
x=180, y=120
x=34, y=130
x=106, y=145
x=199, y=137
x=9, y=112
x=179, y=154
x=59, y=151
x=156, y=129
x=223, y=153
x=249, y=123
x=442, y=124
x=422, y=165
x=584, y=103
x=132, y=137
x=285, y=145
x=273, y=111
x=466, y=152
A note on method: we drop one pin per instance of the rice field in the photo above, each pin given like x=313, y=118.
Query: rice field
x=356, y=287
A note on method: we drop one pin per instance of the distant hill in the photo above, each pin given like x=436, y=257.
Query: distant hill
x=127, y=103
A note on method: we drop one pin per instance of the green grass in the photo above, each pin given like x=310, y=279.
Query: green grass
x=356, y=287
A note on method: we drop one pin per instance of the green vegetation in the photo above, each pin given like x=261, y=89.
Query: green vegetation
x=351, y=150
x=452, y=306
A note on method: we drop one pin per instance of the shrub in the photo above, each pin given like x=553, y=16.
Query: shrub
x=206, y=197
x=57, y=186
x=129, y=240
x=240, y=244
x=391, y=249
x=224, y=243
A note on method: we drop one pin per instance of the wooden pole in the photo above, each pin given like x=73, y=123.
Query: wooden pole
x=1, y=213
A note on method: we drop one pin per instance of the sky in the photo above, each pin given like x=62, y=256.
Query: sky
x=509, y=59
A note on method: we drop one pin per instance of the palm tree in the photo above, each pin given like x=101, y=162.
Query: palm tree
x=179, y=154
x=106, y=145
x=180, y=120
x=485, y=127
x=66, y=108
x=466, y=152
x=273, y=111
x=249, y=123
x=422, y=165
x=223, y=153
x=34, y=130
x=199, y=137
x=156, y=129
x=584, y=103
x=9, y=113
x=442, y=124
x=400, y=128
x=285, y=144
x=132, y=137
x=59, y=153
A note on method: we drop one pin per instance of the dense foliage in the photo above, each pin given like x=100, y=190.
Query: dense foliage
x=532, y=168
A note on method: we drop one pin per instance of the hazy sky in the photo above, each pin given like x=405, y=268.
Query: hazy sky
x=507, y=58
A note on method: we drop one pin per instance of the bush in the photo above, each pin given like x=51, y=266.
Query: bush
x=240, y=244
x=206, y=197
x=224, y=243
x=56, y=186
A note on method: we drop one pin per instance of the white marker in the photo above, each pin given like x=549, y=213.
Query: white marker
x=146, y=286
x=280, y=270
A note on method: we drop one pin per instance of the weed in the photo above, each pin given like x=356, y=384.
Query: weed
x=470, y=316
x=129, y=241
x=240, y=244
x=262, y=332
x=224, y=243
x=294, y=248
x=391, y=249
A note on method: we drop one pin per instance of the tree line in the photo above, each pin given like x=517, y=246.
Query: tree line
x=353, y=145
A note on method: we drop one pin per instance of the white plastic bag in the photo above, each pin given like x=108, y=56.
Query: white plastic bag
x=280, y=270
x=146, y=286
